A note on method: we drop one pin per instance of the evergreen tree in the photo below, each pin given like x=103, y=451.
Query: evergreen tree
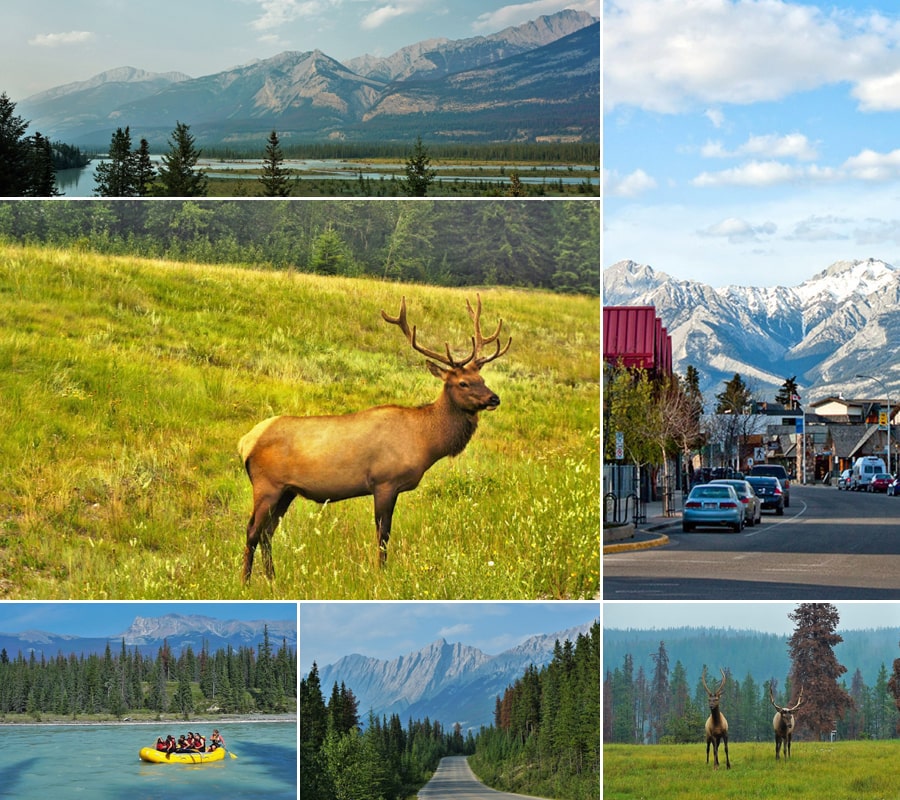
x=419, y=175
x=144, y=172
x=735, y=398
x=330, y=256
x=15, y=152
x=789, y=393
x=659, y=698
x=177, y=177
x=816, y=669
x=42, y=168
x=274, y=178
x=117, y=177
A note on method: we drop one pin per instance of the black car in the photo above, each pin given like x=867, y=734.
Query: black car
x=775, y=471
x=769, y=491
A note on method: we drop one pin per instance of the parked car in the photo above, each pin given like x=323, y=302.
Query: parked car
x=712, y=504
x=775, y=471
x=863, y=470
x=844, y=480
x=769, y=492
x=880, y=482
x=747, y=495
x=894, y=489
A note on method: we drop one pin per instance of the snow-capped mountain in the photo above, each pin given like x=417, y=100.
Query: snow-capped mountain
x=148, y=633
x=840, y=323
x=445, y=682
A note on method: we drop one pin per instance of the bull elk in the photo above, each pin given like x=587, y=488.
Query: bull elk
x=783, y=723
x=381, y=451
x=716, y=724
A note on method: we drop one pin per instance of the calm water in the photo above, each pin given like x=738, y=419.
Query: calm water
x=101, y=761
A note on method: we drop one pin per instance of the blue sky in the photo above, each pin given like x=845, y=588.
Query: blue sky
x=387, y=630
x=112, y=618
x=751, y=142
x=47, y=43
x=766, y=617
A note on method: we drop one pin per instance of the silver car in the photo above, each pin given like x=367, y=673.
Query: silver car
x=747, y=495
x=712, y=504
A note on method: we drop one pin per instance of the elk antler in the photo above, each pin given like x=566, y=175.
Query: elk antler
x=410, y=334
x=721, y=685
x=799, y=700
x=479, y=340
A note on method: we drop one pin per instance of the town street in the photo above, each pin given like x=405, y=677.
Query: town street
x=829, y=544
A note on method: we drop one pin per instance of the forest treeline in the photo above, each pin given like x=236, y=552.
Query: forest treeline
x=544, y=737
x=126, y=682
x=657, y=706
x=535, y=244
x=543, y=740
x=386, y=761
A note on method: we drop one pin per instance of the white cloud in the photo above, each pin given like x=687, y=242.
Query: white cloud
x=715, y=116
x=738, y=231
x=276, y=13
x=870, y=165
x=377, y=18
x=820, y=228
x=794, y=145
x=59, y=39
x=669, y=56
x=753, y=173
x=518, y=13
x=631, y=185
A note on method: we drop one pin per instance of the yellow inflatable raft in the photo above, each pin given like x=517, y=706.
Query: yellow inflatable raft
x=158, y=757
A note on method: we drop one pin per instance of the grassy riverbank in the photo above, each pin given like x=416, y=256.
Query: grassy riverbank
x=126, y=383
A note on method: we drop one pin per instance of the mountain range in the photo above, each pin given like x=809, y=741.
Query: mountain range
x=445, y=682
x=829, y=329
x=148, y=633
x=539, y=80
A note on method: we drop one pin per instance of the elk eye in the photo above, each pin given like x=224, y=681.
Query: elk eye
x=463, y=385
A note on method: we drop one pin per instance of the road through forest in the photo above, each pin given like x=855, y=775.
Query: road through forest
x=454, y=780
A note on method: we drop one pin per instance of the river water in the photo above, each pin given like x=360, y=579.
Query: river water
x=101, y=761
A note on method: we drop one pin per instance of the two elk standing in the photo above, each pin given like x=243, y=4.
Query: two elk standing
x=381, y=451
x=717, y=725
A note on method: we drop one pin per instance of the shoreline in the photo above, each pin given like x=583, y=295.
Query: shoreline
x=241, y=719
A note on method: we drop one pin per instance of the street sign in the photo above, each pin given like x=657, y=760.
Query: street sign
x=620, y=445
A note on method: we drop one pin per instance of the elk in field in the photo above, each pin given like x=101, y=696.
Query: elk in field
x=381, y=451
x=783, y=723
x=716, y=724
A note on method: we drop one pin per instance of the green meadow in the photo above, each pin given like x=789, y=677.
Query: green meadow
x=862, y=770
x=125, y=385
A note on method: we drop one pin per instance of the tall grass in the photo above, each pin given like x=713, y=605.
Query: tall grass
x=816, y=771
x=126, y=383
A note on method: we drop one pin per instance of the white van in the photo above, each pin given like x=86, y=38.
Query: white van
x=863, y=470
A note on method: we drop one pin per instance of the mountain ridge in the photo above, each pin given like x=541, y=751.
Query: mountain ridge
x=827, y=330
x=537, y=79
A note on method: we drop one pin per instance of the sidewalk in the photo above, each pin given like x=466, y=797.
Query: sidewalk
x=650, y=533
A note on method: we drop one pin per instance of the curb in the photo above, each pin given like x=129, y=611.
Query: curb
x=659, y=541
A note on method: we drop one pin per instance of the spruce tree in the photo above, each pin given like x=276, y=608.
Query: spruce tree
x=275, y=179
x=42, y=170
x=177, y=177
x=117, y=176
x=419, y=175
x=14, y=151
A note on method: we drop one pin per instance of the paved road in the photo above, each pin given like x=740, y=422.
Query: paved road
x=829, y=545
x=454, y=780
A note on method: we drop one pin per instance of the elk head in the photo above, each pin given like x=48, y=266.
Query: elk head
x=787, y=712
x=713, y=696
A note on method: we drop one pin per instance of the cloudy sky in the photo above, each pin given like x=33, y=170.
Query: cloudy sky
x=387, y=630
x=47, y=43
x=752, y=142
x=765, y=617
x=111, y=618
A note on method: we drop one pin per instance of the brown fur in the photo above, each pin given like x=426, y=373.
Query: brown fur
x=716, y=724
x=381, y=451
x=783, y=723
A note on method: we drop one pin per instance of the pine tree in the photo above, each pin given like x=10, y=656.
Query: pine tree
x=42, y=170
x=144, y=172
x=735, y=398
x=274, y=178
x=15, y=178
x=177, y=177
x=816, y=669
x=789, y=393
x=419, y=175
x=117, y=176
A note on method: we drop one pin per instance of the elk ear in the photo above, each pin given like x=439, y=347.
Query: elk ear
x=438, y=372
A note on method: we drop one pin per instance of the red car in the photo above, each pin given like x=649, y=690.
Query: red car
x=880, y=482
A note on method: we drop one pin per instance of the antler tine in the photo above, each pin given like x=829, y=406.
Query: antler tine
x=400, y=320
x=703, y=678
x=480, y=340
x=722, y=684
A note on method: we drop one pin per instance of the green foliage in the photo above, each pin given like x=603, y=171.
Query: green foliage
x=275, y=179
x=127, y=382
x=419, y=175
x=79, y=685
x=177, y=176
x=544, y=738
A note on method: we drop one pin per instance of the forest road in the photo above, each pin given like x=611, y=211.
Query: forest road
x=454, y=780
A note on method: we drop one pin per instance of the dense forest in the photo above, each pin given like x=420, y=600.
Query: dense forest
x=648, y=704
x=339, y=761
x=544, y=737
x=541, y=244
x=126, y=682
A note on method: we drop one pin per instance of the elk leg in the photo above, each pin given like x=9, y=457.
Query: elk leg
x=275, y=515
x=385, y=500
x=259, y=530
x=725, y=741
x=777, y=748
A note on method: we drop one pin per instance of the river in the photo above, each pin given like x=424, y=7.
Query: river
x=101, y=761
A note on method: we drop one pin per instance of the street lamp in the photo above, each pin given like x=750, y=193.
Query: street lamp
x=887, y=394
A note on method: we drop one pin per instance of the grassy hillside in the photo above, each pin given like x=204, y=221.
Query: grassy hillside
x=125, y=385
x=816, y=770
